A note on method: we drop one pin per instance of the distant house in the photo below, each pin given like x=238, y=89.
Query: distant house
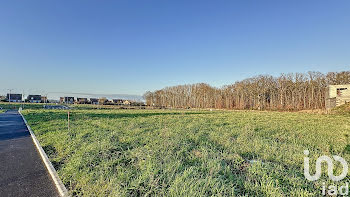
x=44, y=99
x=126, y=102
x=34, y=98
x=67, y=100
x=82, y=100
x=17, y=98
x=337, y=95
x=94, y=101
x=102, y=100
x=2, y=98
x=118, y=101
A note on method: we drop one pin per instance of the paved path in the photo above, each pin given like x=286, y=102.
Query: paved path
x=22, y=172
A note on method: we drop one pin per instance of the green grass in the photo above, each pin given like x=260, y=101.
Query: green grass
x=188, y=153
x=6, y=105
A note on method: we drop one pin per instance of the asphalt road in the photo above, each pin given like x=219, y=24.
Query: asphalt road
x=22, y=172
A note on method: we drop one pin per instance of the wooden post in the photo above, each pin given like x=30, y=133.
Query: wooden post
x=68, y=120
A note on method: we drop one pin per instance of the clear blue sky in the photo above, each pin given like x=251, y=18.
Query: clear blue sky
x=128, y=47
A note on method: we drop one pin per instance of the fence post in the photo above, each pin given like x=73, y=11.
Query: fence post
x=68, y=120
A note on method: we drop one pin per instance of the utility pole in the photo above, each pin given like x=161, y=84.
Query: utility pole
x=10, y=96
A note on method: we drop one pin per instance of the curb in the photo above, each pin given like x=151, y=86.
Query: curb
x=58, y=183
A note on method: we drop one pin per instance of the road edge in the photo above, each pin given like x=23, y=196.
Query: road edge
x=62, y=190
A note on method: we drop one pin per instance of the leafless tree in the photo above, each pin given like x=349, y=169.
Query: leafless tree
x=293, y=91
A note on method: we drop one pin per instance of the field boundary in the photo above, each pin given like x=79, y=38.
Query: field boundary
x=62, y=190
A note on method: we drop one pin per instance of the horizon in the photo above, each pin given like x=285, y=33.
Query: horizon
x=126, y=48
x=57, y=95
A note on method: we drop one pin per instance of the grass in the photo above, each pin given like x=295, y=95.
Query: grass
x=6, y=105
x=188, y=153
x=343, y=109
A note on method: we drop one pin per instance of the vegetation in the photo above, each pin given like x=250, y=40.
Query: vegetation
x=343, y=109
x=294, y=91
x=188, y=153
x=6, y=105
x=92, y=107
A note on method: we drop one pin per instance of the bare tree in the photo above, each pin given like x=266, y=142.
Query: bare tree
x=293, y=91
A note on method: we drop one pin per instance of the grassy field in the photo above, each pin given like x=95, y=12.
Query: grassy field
x=188, y=153
x=6, y=105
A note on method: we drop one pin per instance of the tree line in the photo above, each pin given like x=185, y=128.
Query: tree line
x=293, y=91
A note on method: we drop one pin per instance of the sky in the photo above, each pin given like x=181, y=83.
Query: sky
x=129, y=47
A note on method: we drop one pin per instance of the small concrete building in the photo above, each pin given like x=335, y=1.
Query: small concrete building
x=337, y=95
